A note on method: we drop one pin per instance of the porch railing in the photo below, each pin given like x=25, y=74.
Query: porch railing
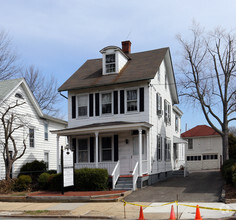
x=105, y=165
x=135, y=176
x=145, y=166
x=115, y=174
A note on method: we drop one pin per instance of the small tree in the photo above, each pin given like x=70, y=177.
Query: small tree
x=12, y=122
x=209, y=66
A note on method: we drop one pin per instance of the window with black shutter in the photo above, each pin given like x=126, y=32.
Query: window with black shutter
x=122, y=101
x=73, y=106
x=97, y=104
x=90, y=105
x=115, y=102
x=141, y=96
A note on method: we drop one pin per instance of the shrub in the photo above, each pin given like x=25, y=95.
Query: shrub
x=51, y=172
x=34, y=169
x=228, y=169
x=7, y=186
x=54, y=182
x=43, y=180
x=88, y=179
x=23, y=183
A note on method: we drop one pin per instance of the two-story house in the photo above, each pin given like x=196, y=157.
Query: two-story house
x=122, y=115
x=34, y=127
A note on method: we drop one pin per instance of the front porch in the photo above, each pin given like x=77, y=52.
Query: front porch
x=120, y=147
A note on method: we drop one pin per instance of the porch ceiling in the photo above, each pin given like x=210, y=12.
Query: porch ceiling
x=103, y=127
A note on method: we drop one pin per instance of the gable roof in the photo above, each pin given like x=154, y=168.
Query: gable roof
x=200, y=131
x=7, y=87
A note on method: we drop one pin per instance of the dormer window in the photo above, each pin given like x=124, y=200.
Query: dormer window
x=110, y=63
x=18, y=95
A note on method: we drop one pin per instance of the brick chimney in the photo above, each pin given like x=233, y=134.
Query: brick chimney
x=126, y=46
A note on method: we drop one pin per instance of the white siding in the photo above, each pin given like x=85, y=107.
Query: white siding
x=31, y=117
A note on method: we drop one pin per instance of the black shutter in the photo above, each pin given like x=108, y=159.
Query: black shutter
x=91, y=149
x=116, y=149
x=122, y=101
x=115, y=102
x=97, y=104
x=73, y=106
x=157, y=95
x=141, y=101
x=90, y=105
x=73, y=143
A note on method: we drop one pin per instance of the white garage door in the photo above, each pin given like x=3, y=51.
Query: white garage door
x=203, y=162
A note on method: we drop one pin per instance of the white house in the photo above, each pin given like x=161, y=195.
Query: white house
x=40, y=143
x=122, y=115
x=204, y=149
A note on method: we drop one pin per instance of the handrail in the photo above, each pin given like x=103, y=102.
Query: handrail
x=135, y=176
x=115, y=174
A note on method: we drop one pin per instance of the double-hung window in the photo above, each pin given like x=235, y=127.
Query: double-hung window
x=167, y=112
x=159, y=147
x=190, y=144
x=31, y=137
x=106, y=103
x=110, y=63
x=159, y=104
x=176, y=123
x=106, y=148
x=132, y=100
x=46, y=131
x=167, y=148
x=46, y=159
x=82, y=105
x=83, y=150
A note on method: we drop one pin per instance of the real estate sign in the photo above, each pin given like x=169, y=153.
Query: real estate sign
x=68, y=168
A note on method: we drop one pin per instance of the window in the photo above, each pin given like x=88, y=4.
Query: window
x=176, y=123
x=46, y=131
x=158, y=76
x=193, y=158
x=82, y=105
x=210, y=157
x=106, y=149
x=18, y=95
x=167, y=112
x=166, y=80
x=167, y=148
x=190, y=144
x=31, y=137
x=83, y=150
x=159, y=104
x=132, y=100
x=46, y=159
x=110, y=63
x=106, y=103
x=159, y=147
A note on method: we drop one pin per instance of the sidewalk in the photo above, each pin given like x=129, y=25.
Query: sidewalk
x=111, y=210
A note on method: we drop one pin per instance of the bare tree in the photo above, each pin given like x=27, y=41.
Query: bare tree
x=232, y=130
x=12, y=123
x=209, y=78
x=44, y=90
x=8, y=67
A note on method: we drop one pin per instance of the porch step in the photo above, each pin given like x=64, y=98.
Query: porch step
x=124, y=183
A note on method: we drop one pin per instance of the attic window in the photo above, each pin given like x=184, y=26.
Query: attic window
x=110, y=63
x=18, y=95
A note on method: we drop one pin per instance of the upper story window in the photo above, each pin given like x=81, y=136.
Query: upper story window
x=106, y=103
x=46, y=131
x=82, y=105
x=167, y=112
x=110, y=63
x=190, y=144
x=19, y=95
x=132, y=100
x=159, y=104
x=166, y=80
x=31, y=137
x=176, y=123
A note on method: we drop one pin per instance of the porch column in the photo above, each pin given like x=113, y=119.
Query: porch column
x=96, y=149
x=149, y=159
x=140, y=152
x=58, y=154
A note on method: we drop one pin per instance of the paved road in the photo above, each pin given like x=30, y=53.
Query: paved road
x=202, y=186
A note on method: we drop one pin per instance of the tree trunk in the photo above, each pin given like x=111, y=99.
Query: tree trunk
x=225, y=144
x=8, y=166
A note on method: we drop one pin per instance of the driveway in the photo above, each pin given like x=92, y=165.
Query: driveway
x=202, y=186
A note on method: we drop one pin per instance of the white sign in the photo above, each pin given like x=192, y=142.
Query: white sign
x=68, y=168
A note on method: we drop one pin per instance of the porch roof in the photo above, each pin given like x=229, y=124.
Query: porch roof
x=178, y=140
x=102, y=127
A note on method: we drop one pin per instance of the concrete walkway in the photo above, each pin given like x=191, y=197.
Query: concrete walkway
x=115, y=210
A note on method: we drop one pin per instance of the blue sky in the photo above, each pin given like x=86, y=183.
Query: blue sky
x=58, y=36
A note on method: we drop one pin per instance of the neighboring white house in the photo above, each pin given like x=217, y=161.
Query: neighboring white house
x=204, y=149
x=41, y=144
x=122, y=115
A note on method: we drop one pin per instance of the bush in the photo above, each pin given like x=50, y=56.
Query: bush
x=51, y=172
x=88, y=179
x=7, y=186
x=23, y=183
x=228, y=169
x=34, y=169
x=54, y=182
x=43, y=180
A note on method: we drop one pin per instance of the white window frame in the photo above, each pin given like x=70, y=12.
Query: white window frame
x=105, y=57
x=166, y=80
x=46, y=152
x=112, y=147
x=167, y=144
x=33, y=138
x=159, y=104
x=190, y=140
x=167, y=112
x=126, y=100
x=77, y=106
x=46, y=131
x=77, y=148
x=159, y=147
x=112, y=101
x=176, y=123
